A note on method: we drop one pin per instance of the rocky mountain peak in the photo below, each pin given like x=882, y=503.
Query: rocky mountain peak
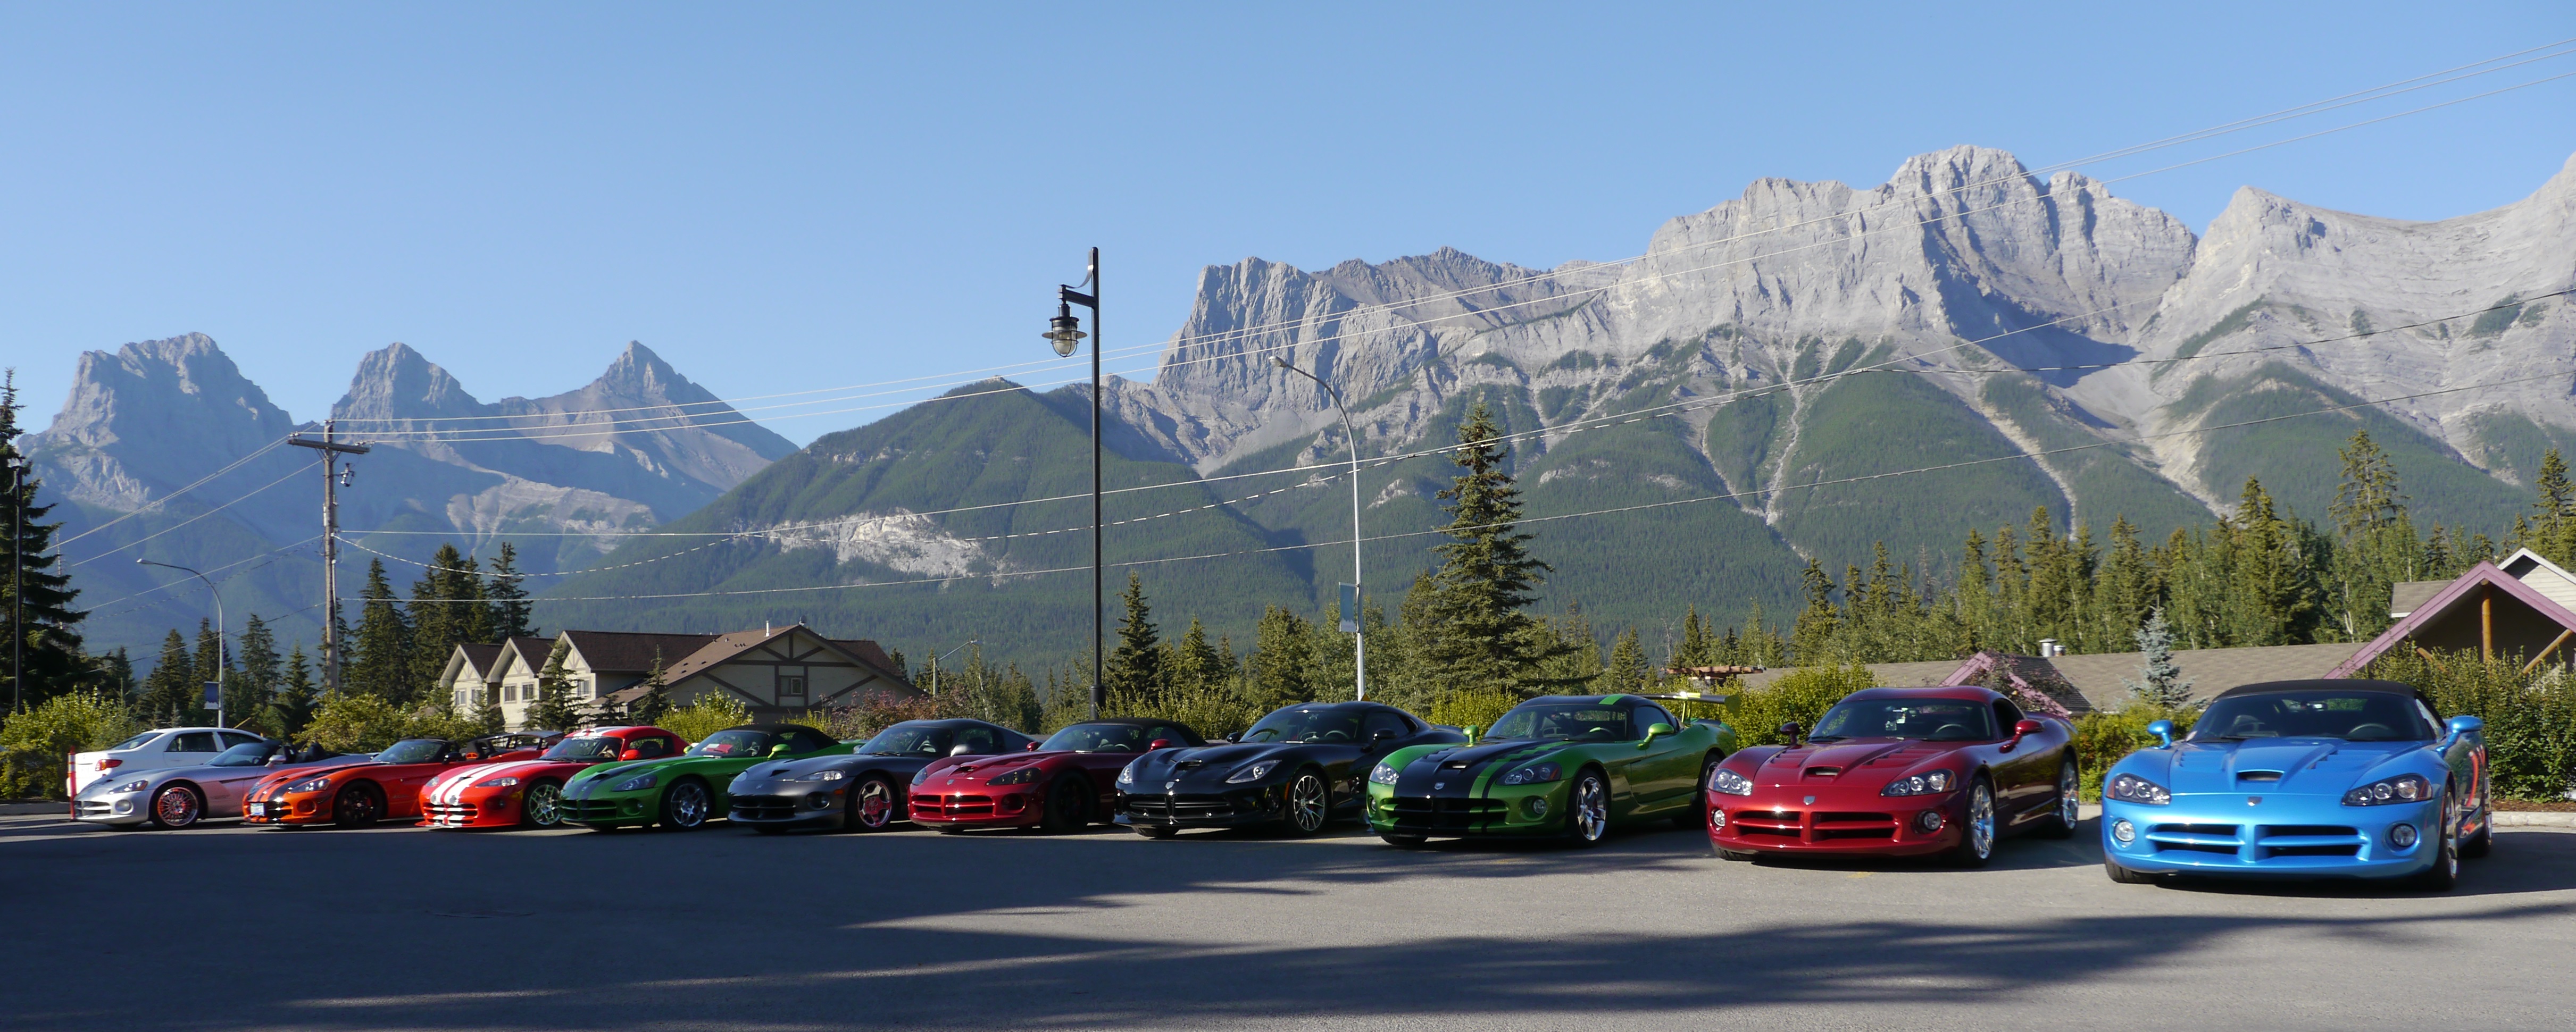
x=395, y=382
x=140, y=420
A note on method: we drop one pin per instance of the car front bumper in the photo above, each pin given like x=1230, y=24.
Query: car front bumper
x=2231, y=834
x=488, y=808
x=613, y=809
x=118, y=808
x=788, y=809
x=978, y=806
x=1826, y=821
x=1502, y=811
x=298, y=808
x=1245, y=806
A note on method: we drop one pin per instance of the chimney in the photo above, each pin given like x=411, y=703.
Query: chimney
x=2047, y=647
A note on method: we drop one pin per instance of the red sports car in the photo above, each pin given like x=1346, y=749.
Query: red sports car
x=1899, y=772
x=389, y=788
x=1067, y=781
x=529, y=793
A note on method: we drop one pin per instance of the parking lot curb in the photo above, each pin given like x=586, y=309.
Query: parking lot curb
x=2534, y=819
x=26, y=809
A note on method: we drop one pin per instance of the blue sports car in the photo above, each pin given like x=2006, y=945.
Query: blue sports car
x=2303, y=779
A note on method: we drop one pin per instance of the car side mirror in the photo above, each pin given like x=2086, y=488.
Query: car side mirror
x=2027, y=727
x=1654, y=731
x=961, y=749
x=1792, y=733
x=1383, y=734
x=2163, y=730
x=778, y=750
x=1473, y=732
x=1159, y=743
x=631, y=754
x=1033, y=747
x=2463, y=725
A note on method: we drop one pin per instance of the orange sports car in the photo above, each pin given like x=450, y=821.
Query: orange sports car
x=528, y=793
x=389, y=788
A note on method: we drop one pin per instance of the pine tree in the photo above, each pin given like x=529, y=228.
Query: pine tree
x=1812, y=636
x=115, y=673
x=1193, y=664
x=2267, y=594
x=555, y=709
x=2553, y=533
x=256, y=679
x=292, y=705
x=438, y=625
x=1283, y=660
x=52, y=657
x=510, y=613
x=171, y=693
x=1626, y=670
x=1135, y=667
x=380, y=664
x=1697, y=648
x=656, y=700
x=211, y=664
x=2160, y=683
x=1480, y=637
x=2367, y=499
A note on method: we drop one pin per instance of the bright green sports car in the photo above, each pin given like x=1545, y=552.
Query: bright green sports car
x=685, y=791
x=1569, y=766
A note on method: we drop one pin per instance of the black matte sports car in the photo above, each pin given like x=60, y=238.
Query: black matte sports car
x=864, y=790
x=1299, y=767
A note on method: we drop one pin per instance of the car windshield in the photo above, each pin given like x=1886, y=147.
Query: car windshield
x=736, y=743
x=131, y=742
x=1931, y=720
x=1590, y=721
x=2351, y=716
x=1098, y=738
x=910, y=739
x=1306, y=724
x=599, y=747
x=417, y=750
x=250, y=755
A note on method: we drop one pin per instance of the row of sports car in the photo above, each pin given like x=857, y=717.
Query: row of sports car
x=2299, y=779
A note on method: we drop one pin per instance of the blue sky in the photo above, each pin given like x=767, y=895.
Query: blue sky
x=787, y=197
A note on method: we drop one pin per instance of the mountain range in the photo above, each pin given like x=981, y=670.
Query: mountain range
x=1752, y=391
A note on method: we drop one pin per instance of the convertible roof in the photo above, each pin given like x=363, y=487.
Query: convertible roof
x=2332, y=684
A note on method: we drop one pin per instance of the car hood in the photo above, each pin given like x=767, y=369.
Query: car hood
x=1871, y=762
x=2314, y=766
x=1472, y=758
x=521, y=769
x=977, y=768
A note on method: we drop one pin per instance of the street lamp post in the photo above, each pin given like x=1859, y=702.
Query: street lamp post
x=223, y=659
x=17, y=588
x=1359, y=640
x=934, y=663
x=1066, y=332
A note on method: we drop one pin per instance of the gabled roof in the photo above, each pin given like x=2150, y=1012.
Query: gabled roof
x=2040, y=686
x=721, y=648
x=2545, y=577
x=2461, y=592
x=480, y=659
x=623, y=652
x=529, y=651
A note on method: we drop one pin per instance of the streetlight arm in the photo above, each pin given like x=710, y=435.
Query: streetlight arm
x=223, y=657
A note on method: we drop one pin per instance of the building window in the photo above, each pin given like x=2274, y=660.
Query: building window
x=791, y=688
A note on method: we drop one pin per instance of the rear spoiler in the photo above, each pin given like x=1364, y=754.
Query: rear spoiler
x=1688, y=697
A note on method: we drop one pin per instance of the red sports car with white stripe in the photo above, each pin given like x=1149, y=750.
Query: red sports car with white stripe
x=529, y=793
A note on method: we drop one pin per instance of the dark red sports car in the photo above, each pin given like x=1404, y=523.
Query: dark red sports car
x=1070, y=780
x=1899, y=772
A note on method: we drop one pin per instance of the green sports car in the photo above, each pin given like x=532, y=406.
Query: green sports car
x=1569, y=766
x=685, y=791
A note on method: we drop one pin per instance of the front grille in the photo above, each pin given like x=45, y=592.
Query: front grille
x=591, y=811
x=1443, y=814
x=1855, y=825
x=2306, y=840
x=90, y=808
x=1814, y=826
x=761, y=808
x=452, y=813
x=936, y=807
x=1183, y=808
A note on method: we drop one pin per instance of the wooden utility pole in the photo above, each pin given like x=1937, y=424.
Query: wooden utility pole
x=331, y=452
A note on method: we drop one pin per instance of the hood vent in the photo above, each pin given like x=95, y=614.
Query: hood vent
x=1190, y=764
x=2258, y=775
x=1454, y=765
x=1823, y=772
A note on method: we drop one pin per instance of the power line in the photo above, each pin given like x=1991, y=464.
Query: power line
x=291, y=474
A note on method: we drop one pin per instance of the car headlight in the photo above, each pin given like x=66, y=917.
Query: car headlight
x=637, y=783
x=924, y=775
x=1127, y=774
x=496, y=782
x=832, y=774
x=1931, y=783
x=1254, y=772
x=132, y=786
x=307, y=785
x=1730, y=782
x=1021, y=776
x=2130, y=788
x=1534, y=774
x=1382, y=775
x=2404, y=788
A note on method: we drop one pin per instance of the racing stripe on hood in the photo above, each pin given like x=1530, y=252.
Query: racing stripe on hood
x=1477, y=762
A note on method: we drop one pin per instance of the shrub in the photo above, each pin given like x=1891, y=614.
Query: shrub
x=1472, y=708
x=2102, y=738
x=1212, y=710
x=1801, y=695
x=704, y=716
x=876, y=712
x=33, y=742
x=2531, y=719
x=362, y=723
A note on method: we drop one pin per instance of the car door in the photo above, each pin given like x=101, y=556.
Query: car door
x=1669, y=771
x=2026, y=773
x=1382, y=731
x=225, y=786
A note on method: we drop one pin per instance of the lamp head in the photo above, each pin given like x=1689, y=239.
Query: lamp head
x=1064, y=330
x=1280, y=362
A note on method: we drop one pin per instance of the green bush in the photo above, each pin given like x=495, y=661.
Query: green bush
x=1472, y=709
x=357, y=722
x=2102, y=738
x=1211, y=710
x=1801, y=695
x=2531, y=719
x=704, y=716
x=33, y=743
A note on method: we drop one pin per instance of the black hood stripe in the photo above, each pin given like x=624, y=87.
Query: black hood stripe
x=1433, y=768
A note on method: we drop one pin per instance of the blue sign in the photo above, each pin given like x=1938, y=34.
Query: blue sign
x=1350, y=609
x=214, y=695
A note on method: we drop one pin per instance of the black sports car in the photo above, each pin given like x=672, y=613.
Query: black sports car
x=1300, y=767
x=864, y=790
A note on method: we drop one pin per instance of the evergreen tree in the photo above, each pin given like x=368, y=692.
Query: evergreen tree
x=48, y=626
x=510, y=613
x=1626, y=671
x=115, y=673
x=211, y=663
x=656, y=700
x=171, y=693
x=1193, y=664
x=555, y=709
x=2160, y=683
x=1135, y=667
x=256, y=676
x=2553, y=532
x=1283, y=659
x=1811, y=635
x=2268, y=594
x=380, y=661
x=1697, y=648
x=292, y=706
x=1479, y=638
x=1575, y=661
x=438, y=625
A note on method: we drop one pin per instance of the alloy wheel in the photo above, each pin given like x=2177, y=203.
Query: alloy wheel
x=687, y=807
x=1981, y=821
x=2450, y=858
x=1306, y=803
x=874, y=804
x=175, y=807
x=1591, y=814
x=544, y=805
x=2069, y=799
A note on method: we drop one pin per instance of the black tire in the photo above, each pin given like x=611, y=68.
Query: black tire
x=177, y=805
x=1741, y=856
x=2482, y=843
x=1154, y=831
x=1402, y=841
x=1309, y=803
x=1696, y=814
x=2061, y=824
x=686, y=806
x=1978, y=832
x=2444, y=875
x=874, y=805
x=360, y=804
x=1587, y=809
x=950, y=829
x=542, y=807
x=2124, y=875
x=1066, y=810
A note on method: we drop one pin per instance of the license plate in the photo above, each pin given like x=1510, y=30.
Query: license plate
x=259, y=809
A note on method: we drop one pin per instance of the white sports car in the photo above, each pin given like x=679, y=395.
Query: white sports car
x=176, y=797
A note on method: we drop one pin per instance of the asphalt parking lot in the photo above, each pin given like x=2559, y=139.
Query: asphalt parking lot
x=232, y=927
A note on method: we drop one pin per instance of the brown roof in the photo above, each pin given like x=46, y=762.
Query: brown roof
x=868, y=651
x=719, y=648
x=631, y=652
x=479, y=659
x=2405, y=596
x=2097, y=676
x=531, y=651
